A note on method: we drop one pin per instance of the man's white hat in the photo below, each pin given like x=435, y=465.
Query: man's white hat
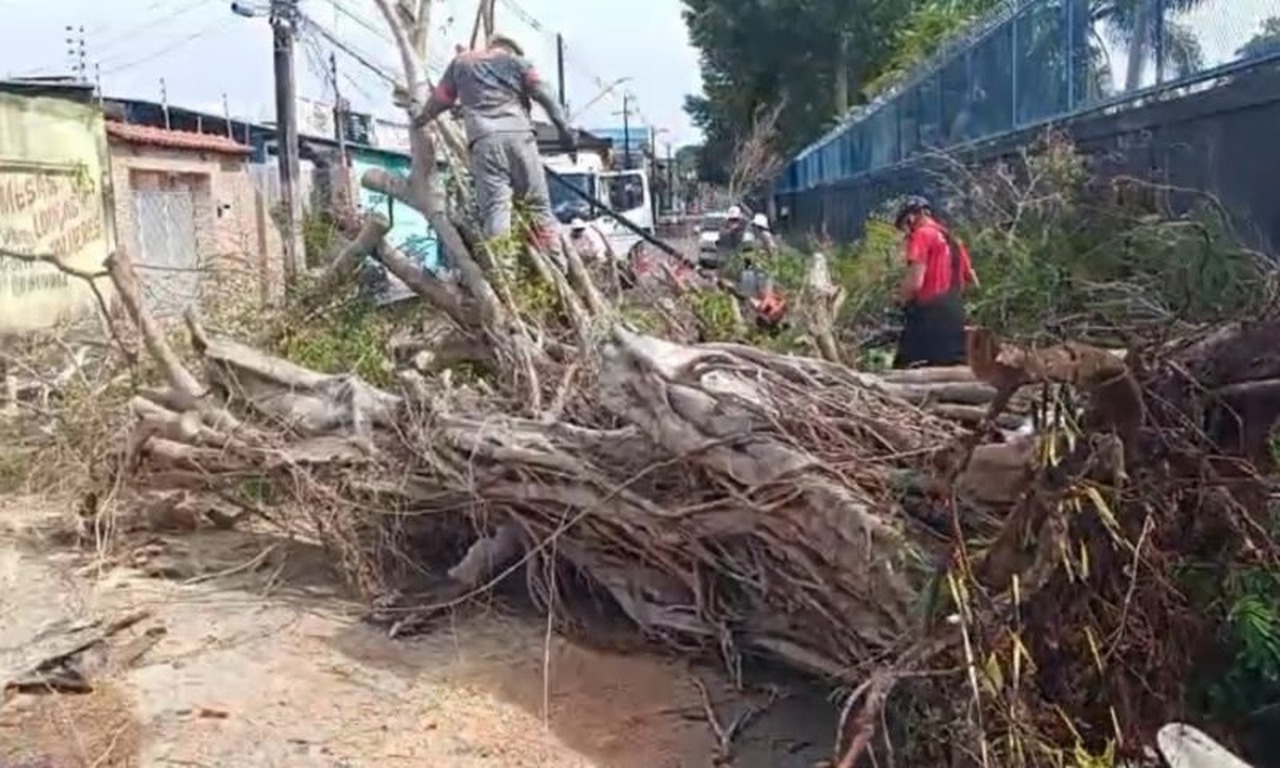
x=760, y=220
x=577, y=224
x=734, y=212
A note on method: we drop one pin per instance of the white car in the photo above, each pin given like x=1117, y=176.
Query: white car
x=709, y=231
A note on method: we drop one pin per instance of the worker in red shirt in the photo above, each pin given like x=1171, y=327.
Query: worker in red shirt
x=938, y=271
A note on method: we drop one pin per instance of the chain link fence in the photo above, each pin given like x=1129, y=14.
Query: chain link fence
x=1040, y=61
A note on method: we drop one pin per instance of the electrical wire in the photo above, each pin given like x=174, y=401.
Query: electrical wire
x=166, y=49
x=605, y=87
x=129, y=34
x=103, y=26
x=360, y=89
x=381, y=70
x=380, y=31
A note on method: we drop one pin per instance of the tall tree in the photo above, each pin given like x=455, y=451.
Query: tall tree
x=1265, y=43
x=812, y=54
x=1146, y=33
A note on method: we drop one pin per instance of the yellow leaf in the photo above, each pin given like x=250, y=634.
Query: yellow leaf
x=993, y=672
x=1020, y=653
x=1093, y=647
x=1104, y=511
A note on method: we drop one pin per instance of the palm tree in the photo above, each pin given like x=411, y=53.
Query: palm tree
x=1133, y=23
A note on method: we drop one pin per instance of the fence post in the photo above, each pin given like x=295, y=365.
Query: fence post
x=1159, y=36
x=1015, y=60
x=1069, y=24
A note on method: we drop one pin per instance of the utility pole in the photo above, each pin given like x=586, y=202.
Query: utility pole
x=626, y=131
x=226, y=113
x=164, y=105
x=564, y=103
x=284, y=14
x=97, y=83
x=671, y=181
x=340, y=132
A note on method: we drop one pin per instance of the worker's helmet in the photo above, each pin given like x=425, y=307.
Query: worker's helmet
x=734, y=213
x=577, y=225
x=760, y=220
x=913, y=204
x=502, y=41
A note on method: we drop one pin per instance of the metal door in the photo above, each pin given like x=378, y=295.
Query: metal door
x=167, y=260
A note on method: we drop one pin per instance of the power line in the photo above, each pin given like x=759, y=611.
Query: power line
x=151, y=22
x=360, y=89
x=338, y=7
x=533, y=22
x=167, y=49
x=104, y=25
x=315, y=56
x=379, y=30
x=380, y=70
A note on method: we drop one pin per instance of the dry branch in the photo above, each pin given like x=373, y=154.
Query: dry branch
x=757, y=161
x=734, y=501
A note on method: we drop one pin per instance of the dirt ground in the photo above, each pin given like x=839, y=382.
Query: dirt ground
x=251, y=657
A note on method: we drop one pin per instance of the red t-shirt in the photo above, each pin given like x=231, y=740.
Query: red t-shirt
x=927, y=245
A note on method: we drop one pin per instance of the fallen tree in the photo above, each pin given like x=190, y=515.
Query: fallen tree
x=739, y=502
x=734, y=501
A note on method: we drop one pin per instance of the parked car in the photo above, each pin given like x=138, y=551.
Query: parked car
x=709, y=231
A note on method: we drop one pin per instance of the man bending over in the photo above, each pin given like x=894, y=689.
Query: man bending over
x=493, y=89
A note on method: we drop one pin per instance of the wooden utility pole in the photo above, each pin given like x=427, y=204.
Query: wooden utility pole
x=340, y=135
x=564, y=103
x=164, y=104
x=626, y=131
x=284, y=16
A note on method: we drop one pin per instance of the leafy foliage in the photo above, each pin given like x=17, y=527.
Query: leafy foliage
x=1265, y=43
x=758, y=53
x=922, y=33
x=822, y=57
x=352, y=338
x=1061, y=255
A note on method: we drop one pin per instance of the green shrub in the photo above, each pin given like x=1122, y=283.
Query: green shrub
x=1059, y=253
x=353, y=338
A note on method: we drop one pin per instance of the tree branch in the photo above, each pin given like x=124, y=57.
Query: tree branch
x=91, y=278
x=125, y=278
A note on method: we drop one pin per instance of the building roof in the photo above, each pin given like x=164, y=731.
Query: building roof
x=180, y=140
x=59, y=87
x=548, y=138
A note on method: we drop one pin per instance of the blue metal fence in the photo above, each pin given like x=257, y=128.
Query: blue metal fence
x=1038, y=61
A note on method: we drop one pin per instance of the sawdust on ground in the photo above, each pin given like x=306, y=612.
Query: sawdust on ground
x=267, y=666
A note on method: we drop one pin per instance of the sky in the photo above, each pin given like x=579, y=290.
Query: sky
x=202, y=51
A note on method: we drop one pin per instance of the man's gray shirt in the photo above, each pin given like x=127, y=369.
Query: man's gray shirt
x=492, y=88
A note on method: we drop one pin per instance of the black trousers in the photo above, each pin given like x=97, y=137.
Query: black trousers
x=932, y=333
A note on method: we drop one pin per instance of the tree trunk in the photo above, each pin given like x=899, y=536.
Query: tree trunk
x=842, y=88
x=1140, y=43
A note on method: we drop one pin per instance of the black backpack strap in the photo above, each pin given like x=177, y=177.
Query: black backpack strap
x=957, y=284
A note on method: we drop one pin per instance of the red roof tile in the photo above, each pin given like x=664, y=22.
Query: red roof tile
x=161, y=137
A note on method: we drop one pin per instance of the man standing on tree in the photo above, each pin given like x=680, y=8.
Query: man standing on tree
x=493, y=89
x=938, y=271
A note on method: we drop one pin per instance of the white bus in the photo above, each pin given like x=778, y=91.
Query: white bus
x=626, y=192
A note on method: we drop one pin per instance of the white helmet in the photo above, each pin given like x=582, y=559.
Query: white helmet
x=734, y=212
x=577, y=225
x=760, y=220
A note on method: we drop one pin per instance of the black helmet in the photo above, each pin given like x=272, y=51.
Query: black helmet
x=502, y=41
x=913, y=204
